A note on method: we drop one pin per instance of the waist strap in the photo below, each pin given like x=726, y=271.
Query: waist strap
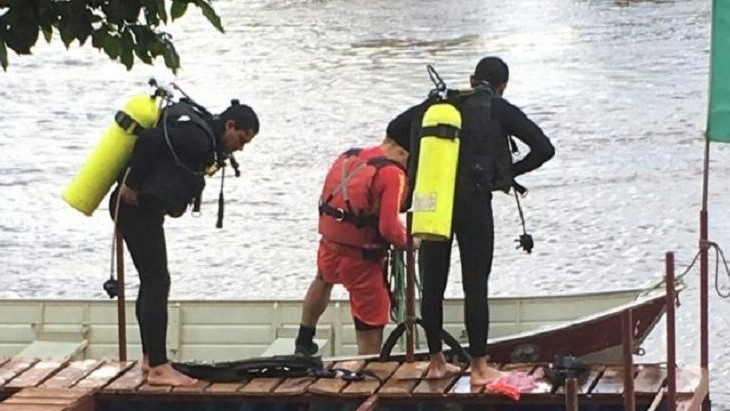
x=339, y=214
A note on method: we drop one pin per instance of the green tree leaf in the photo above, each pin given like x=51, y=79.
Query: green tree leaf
x=131, y=10
x=142, y=36
x=79, y=21
x=178, y=9
x=161, y=10
x=98, y=37
x=48, y=34
x=21, y=27
x=127, y=53
x=3, y=55
x=114, y=11
x=172, y=59
x=151, y=12
x=67, y=35
x=47, y=17
x=210, y=14
x=112, y=45
x=121, y=28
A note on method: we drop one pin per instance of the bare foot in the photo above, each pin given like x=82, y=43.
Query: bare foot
x=166, y=375
x=481, y=372
x=485, y=376
x=145, y=367
x=439, y=368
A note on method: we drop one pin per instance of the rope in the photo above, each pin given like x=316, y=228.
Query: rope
x=397, y=281
x=719, y=255
x=398, y=284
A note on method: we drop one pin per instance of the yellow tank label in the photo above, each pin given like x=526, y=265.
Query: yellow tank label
x=425, y=201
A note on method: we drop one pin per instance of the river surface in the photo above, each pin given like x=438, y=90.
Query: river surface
x=620, y=87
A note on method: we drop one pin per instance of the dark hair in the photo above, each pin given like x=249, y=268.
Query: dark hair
x=399, y=129
x=243, y=115
x=492, y=70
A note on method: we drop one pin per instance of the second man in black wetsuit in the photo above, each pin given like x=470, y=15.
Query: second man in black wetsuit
x=166, y=171
x=472, y=223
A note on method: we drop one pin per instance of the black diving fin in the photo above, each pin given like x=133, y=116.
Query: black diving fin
x=274, y=366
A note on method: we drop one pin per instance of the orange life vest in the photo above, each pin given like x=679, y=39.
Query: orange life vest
x=348, y=213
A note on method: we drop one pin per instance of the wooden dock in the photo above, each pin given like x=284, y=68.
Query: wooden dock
x=63, y=385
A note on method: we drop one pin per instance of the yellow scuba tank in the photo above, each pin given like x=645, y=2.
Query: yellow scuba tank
x=106, y=161
x=433, y=194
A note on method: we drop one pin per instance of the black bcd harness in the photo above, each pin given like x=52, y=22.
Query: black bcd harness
x=187, y=110
x=491, y=168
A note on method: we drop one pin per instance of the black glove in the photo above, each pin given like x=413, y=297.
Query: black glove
x=525, y=242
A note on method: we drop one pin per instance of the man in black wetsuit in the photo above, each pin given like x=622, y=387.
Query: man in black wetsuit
x=166, y=172
x=472, y=222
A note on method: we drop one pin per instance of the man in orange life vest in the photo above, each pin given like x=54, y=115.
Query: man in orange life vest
x=361, y=199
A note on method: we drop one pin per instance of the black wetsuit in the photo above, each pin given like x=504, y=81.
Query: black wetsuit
x=164, y=188
x=472, y=222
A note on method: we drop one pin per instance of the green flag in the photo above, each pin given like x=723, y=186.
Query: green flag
x=718, y=116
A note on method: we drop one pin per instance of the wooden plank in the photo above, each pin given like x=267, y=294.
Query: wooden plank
x=146, y=388
x=369, y=386
x=14, y=367
x=32, y=407
x=298, y=385
x=650, y=379
x=128, y=381
x=53, y=392
x=37, y=374
x=40, y=401
x=696, y=400
x=104, y=374
x=223, y=388
x=260, y=386
x=70, y=375
x=294, y=386
x=32, y=399
x=3, y=360
x=436, y=387
x=463, y=386
x=688, y=379
x=404, y=379
x=198, y=388
x=335, y=385
x=612, y=381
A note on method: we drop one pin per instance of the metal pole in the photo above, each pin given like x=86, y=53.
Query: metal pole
x=671, y=352
x=704, y=287
x=571, y=394
x=410, y=290
x=628, y=346
x=121, y=312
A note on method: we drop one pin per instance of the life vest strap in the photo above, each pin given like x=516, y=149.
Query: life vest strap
x=339, y=214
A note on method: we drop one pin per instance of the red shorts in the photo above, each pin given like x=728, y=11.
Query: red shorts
x=363, y=279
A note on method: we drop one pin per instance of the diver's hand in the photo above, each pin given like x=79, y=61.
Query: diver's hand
x=128, y=195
